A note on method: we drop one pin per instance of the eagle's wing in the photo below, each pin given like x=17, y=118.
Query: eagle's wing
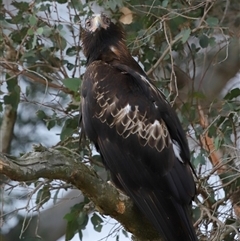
x=142, y=144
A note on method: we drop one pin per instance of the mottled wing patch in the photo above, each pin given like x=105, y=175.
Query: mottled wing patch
x=129, y=121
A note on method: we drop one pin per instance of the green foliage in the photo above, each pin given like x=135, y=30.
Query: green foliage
x=72, y=83
x=43, y=195
x=96, y=222
x=77, y=220
x=212, y=21
x=234, y=93
x=203, y=41
x=200, y=159
x=185, y=35
x=13, y=96
x=70, y=127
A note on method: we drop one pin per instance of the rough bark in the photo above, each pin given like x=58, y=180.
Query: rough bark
x=6, y=129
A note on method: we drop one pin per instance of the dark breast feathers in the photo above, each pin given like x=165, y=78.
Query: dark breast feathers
x=136, y=131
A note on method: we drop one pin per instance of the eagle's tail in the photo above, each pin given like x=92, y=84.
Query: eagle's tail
x=171, y=219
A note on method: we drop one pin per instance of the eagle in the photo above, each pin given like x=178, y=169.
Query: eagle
x=136, y=131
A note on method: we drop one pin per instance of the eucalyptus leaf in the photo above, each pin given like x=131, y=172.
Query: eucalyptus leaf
x=204, y=41
x=33, y=20
x=212, y=21
x=185, y=35
x=72, y=83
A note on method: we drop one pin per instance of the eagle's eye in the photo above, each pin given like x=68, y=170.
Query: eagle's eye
x=88, y=23
x=106, y=19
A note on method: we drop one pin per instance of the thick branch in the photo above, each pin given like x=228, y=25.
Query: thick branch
x=6, y=129
x=53, y=164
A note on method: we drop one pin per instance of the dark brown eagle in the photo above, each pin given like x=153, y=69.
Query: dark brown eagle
x=138, y=134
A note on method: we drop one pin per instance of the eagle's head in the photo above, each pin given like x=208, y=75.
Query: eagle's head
x=102, y=39
x=97, y=22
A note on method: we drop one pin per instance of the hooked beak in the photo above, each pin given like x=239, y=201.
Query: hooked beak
x=97, y=22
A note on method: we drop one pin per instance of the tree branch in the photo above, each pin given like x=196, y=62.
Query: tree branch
x=54, y=164
x=6, y=128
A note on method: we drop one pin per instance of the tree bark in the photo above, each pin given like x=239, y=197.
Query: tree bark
x=6, y=129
